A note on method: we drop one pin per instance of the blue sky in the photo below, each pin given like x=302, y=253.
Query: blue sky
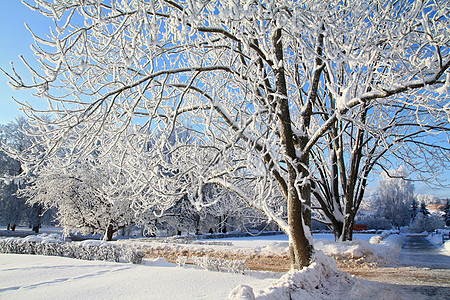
x=15, y=39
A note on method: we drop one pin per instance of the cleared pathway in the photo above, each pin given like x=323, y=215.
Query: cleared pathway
x=417, y=251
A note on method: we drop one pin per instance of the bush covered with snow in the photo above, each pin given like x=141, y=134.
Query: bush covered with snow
x=86, y=250
x=214, y=264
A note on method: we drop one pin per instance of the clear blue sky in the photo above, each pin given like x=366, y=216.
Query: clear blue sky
x=15, y=39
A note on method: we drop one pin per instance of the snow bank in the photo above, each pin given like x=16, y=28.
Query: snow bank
x=321, y=280
x=360, y=252
x=271, y=253
x=46, y=238
x=446, y=248
x=436, y=239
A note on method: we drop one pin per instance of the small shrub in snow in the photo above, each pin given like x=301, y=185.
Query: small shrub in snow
x=219, y=264
x=182, y=260
x=207, y=263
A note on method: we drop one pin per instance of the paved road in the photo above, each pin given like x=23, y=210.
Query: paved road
x=417, y=251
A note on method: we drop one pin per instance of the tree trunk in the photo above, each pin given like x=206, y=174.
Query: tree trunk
x=337, y=228
x=300, y=238
x=298, y=192
x=347, y=234
x=109, y=232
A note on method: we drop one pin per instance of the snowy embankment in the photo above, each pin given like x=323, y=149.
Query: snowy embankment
x=321, y=280
x=437, y=239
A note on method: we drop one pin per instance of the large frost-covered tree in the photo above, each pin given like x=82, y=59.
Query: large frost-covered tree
x=380, y=136
x=252, y=79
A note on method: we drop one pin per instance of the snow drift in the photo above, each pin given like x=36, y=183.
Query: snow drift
x=321, y=280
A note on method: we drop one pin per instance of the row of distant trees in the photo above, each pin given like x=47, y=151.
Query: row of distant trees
x=394, y=205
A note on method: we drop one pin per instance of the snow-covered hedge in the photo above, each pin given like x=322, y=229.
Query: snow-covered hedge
x=214, y=264
x=187, y=240
x=87, y=250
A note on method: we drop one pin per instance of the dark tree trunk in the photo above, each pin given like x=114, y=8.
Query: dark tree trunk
x=298, y=195
x=109, y=232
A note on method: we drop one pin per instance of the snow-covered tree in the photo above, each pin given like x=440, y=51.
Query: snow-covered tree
x=260, y=83
x=393, y=198
x=426, y=223
x=379, y=136
x=91, y=195
x=223, y=211
x=13, y=208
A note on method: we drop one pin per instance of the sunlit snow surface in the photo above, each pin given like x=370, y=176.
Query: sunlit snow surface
x=45, y=277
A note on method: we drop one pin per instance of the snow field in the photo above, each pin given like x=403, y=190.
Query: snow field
x=45, y=277
x=48, y=277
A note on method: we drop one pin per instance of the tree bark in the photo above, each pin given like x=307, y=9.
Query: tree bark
x=299, y=205
x=109, y=232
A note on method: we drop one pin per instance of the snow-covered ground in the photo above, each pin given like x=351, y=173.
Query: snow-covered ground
x=45, y=277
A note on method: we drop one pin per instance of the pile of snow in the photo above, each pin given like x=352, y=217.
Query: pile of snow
x=359, y=252
x=275, y=248
x=436, y=239
x=46, y=238
x=446, y=248
x=381, y=250
x=321, y=280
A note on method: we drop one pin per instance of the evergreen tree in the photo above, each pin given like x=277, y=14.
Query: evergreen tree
x=447, y=213
x=424, y=210
x=414, y=208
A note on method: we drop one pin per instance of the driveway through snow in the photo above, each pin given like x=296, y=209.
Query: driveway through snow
x=417, y=251
x=423, y=270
